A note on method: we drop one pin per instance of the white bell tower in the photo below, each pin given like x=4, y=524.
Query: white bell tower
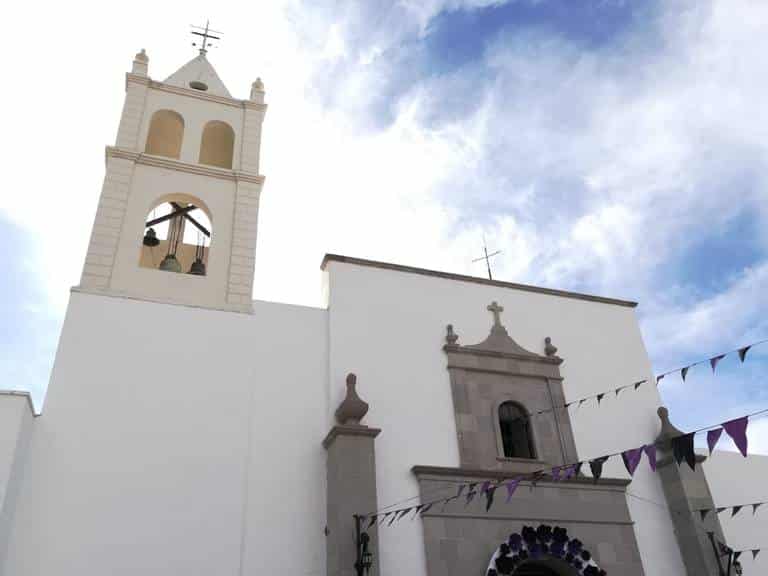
x=177, y=216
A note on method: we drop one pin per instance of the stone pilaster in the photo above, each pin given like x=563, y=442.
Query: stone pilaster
x=687, y=491
x=351, y=473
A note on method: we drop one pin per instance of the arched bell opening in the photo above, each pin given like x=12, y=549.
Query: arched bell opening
x=217, y=144
x=177, y=236
x=166, y=131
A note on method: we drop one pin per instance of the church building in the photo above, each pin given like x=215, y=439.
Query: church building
x=190, y=430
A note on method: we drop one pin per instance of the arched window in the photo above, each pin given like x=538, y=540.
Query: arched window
x=217, y=144
x=515, y=431
x=166, y=131
x=177, y=236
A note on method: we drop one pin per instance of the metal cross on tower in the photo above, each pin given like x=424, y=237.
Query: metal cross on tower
x=206, y=34
x=496, y=310
x=487, y=258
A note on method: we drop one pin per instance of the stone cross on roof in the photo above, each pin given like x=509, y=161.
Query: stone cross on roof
x=496, y=310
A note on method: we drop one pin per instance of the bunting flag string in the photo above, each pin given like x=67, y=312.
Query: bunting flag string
x=713, y=361
x=735, y=509
x=682, y=449
x=600, y=396
x=727, y=550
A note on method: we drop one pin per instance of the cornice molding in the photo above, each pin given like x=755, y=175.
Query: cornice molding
x=473, y=279
x=154, y=84
x=172, y=164
x=437, y=473
x=24, y=394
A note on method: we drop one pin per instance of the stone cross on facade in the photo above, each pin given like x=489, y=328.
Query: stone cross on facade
x=496, y=310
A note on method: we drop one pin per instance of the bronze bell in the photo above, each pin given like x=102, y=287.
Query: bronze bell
x=150, y=238
x=170, y=264
x=197, y=268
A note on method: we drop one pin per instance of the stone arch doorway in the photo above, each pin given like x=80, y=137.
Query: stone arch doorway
x=544, y=568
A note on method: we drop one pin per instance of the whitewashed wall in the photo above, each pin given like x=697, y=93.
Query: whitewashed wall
x=735, y=480
x=389, y=327
x=177, y=440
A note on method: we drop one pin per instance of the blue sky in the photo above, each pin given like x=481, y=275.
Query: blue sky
x=615, y=147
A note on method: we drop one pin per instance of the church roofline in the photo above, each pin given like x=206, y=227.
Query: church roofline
x=24, y=393
x=464, y=278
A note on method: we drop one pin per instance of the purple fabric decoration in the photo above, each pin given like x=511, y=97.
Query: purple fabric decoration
x=736, y=555
x=581, y=402
x=755, y=507
x=600, y=397
x=718, y=510
x=650, y=452
x=755, y=552
x=427, y=508
x=632, y=459
x=556, y=473
x=596, y=466
x=392, y=519
x=489, y=493
x=735, y=510
x=511, y=487
x=372, y=521
x=417, y=510
x=485, y=486
x=712, y=437
x=638, y=384
x=619, y=389
x=570, y=472
x=404, y=511
x=737, y=429
x=460, y=490
x=659, y=378
x=714, y=361
x=684, y=372
x=743, y=352
x=682, y=449
x=704, y=513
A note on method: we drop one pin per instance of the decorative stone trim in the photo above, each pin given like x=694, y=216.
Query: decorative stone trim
x=137, y=79
x=469, y=474
x=343, y=430
x=475, y=280
x=172, y=164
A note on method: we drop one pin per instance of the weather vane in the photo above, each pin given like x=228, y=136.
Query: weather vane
x=207, y=35
x=487, y=257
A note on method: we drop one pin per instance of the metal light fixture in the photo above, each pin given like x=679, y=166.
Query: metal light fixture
x=364, y=560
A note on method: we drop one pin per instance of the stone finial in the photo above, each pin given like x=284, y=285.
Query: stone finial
x=549, y=348
x=140, y=63
x=668, y=430
x=257, y=91
x=450, y=336
x=353, y=408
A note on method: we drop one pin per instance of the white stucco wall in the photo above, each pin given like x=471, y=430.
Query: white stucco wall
x=389, y=327
x=735, y=480
x=15, y=429
x=177, y=440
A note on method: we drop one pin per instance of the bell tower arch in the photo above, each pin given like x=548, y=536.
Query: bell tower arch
x=177, y=216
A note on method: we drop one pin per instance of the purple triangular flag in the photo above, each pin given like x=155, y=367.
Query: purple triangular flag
x=736, y=555
x=372, y=521
x=556, y=473
x=638, y=384
x=392, y=519
x=743, y=352
x=735, y=510
x=417, y=510
x=704, y=513
x=427, y=508
x=737, y=429
x=714, y=361
x=581, y=402
x=684, y=372
x=755, y=507
x=485, y=486
x=600, y=397
x=489, y=493
x=650, y=452
x=570, y=472
x=718, y=510
x=619, y=389
x=659, y=378
x=460, y=490
x=632, y=459
x=755, y=552
x=511, y=487
x=712, y=437
x=471, y=493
